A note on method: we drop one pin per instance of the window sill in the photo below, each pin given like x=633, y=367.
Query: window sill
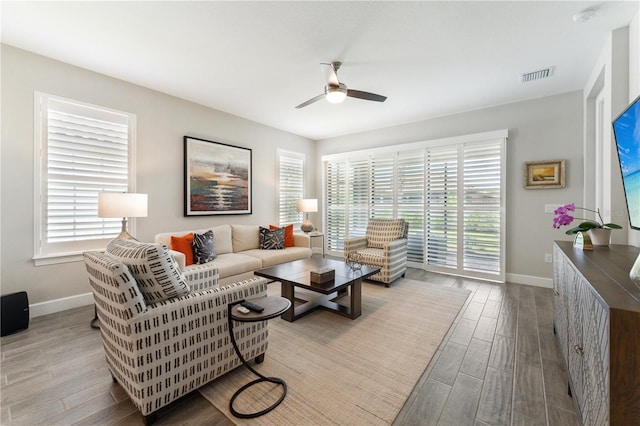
x=53, y=259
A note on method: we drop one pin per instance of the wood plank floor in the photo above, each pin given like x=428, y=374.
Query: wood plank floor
x=498, y=365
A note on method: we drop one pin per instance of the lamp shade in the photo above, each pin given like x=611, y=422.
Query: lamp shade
x=122, y=204
x=308, y=205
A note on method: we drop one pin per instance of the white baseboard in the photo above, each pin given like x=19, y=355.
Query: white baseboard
x=58, y=305
x=530, y=280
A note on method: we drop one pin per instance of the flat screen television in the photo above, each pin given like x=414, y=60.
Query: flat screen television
x=626, y=129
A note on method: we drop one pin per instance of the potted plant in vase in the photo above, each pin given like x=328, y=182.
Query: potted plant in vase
x=599, y=232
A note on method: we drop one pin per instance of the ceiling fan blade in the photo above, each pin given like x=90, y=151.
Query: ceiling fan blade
x=329, y=73
x=366, y=95
x=310, y=101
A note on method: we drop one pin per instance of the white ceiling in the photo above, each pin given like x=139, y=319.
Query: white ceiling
x=258, y=60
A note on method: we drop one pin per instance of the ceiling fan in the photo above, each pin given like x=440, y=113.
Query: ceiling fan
x=336, y=92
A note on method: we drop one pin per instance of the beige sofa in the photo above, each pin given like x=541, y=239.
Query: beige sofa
x=237, y=252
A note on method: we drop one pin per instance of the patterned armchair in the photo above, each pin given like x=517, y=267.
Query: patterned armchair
x=384, y=246
x=161, y=340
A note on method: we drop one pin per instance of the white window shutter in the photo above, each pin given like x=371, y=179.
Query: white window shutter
x=290, y=186
x=85, y=150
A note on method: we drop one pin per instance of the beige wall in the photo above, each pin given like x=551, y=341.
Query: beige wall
x=162, y=121
x=616, y=76
x=543, y=129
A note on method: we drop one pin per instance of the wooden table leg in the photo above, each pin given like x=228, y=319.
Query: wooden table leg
x=287, y=291
x=356, y=298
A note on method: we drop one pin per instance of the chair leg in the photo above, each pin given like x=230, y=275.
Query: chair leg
x=260, y=358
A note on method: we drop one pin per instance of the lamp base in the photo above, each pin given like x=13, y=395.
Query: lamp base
x=124, y=235
x=306, y=226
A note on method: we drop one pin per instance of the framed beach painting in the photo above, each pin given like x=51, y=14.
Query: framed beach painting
x=544, y=174
x=217, y=178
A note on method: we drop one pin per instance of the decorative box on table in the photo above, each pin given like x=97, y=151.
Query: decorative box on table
x=323, y=275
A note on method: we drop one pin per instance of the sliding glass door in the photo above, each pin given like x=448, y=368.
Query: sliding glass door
x=451, y=192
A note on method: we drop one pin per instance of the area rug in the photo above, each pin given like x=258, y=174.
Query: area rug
x=341, y=371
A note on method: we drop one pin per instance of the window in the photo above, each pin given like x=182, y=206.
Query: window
x=290, y=186
x=450, y=191
x=81, y=150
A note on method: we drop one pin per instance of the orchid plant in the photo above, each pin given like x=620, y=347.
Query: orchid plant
x=563, y=218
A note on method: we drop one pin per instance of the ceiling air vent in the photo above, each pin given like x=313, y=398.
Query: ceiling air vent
x=536, y=75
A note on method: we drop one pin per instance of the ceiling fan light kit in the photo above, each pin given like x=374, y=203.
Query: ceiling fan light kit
x=336, y=92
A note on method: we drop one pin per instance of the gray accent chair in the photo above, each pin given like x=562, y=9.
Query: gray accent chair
x=384, y=245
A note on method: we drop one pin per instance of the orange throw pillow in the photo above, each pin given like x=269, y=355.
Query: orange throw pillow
x=288, y=234
x=183, y=245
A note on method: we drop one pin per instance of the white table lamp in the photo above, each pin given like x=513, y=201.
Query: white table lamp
x=309, y=205
x=124, y=205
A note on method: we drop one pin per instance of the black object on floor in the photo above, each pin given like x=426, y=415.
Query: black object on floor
x=14, y=313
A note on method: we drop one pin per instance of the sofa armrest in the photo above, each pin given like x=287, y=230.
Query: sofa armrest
x=300, y=240
x=211, y=300
x=180, y=259
x=202, y=277
x=395, y=247
x=354, y=244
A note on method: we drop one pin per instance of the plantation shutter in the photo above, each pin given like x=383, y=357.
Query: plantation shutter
x=359, y=188
x=442, y=207
x=336, y=205
x=290, y=185
x=84, y=150
x=450, y=191
x=382, y=184
x=482, y=201
x=411, y=200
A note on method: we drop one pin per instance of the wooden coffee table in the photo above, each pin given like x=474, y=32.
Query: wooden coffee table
x=298, y=274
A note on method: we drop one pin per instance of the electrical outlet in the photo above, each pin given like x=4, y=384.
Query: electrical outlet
x=547, y=258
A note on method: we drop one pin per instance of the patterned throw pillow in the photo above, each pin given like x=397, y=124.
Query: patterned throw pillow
x=271, y=239
x=154, y=269
x=203, y=249
x=288, y=234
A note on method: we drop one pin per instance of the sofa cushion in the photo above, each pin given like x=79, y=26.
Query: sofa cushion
x=203, y=248
x=245, y=237
x=275, y=257
x=222, y=239
x=154, y=269
x=288, y=234
x=271, y=239
x=183, y=244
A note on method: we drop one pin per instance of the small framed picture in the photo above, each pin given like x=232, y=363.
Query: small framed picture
x=544, y=174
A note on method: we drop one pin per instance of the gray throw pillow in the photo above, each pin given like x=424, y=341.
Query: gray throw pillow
x=271, y=239
x=203, y=248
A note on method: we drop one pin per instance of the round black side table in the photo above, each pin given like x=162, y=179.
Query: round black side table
x=274, y=306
